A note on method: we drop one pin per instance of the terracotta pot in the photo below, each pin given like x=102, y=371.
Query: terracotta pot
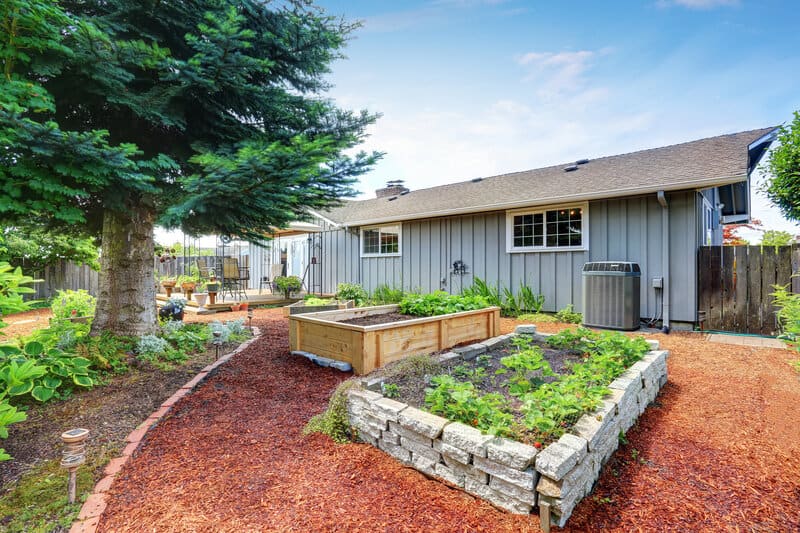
x=168, y=286
x=235, y=307
x=243, y=306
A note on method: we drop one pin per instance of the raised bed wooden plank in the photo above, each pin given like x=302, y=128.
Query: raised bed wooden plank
x=370, y=347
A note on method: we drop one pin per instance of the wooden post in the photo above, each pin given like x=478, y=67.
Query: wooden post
x=544, y=516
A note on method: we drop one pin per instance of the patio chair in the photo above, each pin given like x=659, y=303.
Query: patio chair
x=234, y=278
x=203, y=269
x=275, y=270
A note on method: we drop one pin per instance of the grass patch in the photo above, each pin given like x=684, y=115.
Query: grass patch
x=37, y=502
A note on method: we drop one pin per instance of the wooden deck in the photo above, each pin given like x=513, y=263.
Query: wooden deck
x=253, y=298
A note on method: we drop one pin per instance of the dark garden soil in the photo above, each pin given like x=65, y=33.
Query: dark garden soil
x=480, y=371
x=109, y=412
x=372, y=320
x=719, y=451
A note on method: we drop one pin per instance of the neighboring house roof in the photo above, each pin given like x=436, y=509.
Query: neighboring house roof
x=697, y=164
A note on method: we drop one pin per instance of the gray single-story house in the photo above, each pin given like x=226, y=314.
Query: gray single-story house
x=538, y=227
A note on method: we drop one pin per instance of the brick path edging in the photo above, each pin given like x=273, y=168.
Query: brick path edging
x=95, y=504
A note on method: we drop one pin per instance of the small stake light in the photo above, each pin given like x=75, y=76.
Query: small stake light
x=250, y=319
x=217, y=335
x=74, y=455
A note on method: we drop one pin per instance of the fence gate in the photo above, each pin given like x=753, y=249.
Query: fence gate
x=735, y=283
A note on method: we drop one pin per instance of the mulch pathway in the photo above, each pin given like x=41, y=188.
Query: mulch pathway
x=719, y=451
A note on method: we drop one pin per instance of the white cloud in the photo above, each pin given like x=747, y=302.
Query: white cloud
x=557, y=73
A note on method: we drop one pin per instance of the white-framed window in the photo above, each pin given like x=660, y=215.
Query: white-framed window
x=545, y=229
x=381, y=241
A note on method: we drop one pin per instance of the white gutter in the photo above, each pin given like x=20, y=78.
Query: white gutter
x=600, y=195
x=662, y=200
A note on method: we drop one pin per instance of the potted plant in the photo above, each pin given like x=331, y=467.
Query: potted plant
x=235, y=306
x=288, y=284
x=188, y=288
x=212, y=288
x=173, y=309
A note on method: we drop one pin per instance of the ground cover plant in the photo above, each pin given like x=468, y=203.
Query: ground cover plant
x=530, y=391
x=314, y=301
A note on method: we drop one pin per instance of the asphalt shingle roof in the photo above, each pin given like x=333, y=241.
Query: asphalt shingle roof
x=696, y=164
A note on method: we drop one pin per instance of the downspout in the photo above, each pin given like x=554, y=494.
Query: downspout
x=662, y=200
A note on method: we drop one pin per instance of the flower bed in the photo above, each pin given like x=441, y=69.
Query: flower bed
x=511, y=474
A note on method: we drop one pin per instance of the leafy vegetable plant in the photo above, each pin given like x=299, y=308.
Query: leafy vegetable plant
x=440, y=303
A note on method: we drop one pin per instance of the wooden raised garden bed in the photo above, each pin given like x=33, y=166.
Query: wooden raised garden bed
x=370, y=347
x=299, y=308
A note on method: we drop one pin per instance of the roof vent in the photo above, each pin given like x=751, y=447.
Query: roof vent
x=404, y=192
x=393, y=198
x=570, y=168
x=476, y=180
x=581, y=161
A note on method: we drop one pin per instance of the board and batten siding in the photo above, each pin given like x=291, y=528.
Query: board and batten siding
x=626, y=229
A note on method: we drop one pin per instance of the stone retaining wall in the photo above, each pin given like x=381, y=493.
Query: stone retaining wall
x=509, y=474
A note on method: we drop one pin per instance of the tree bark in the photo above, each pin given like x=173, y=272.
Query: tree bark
x=126, y=300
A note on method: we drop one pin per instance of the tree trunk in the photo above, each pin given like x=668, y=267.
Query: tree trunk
x=126, y=299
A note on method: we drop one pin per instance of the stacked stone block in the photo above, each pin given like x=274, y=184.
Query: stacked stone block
x=509, y=474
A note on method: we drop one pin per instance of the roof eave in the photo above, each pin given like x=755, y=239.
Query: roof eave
x=675, y=186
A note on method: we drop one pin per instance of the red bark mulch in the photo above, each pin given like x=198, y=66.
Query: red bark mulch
x=719, y=451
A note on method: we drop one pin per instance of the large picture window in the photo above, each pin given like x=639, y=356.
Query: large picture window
x=380, y=241
x=547, y=229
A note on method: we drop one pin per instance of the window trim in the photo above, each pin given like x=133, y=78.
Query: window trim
x=399, y=252
x=510, y=214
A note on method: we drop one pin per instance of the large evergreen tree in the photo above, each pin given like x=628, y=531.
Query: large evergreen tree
x=207, y=115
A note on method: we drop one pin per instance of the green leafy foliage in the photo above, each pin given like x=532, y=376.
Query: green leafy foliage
x=525, y=368
x=788, y=315
x=334, y=422
x=34, y=246
x=504, y=298
x=460, y=401
x=13, y=284
x=384, y=294
x=288, y=284
x=774, y=237
x=72, y=304
x=315, y=301
x=351, y=291
x=390, y=390
x=440, y=303
x=569, y=316
x=782, y=187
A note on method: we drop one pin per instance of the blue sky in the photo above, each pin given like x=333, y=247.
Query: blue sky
x=481, y=87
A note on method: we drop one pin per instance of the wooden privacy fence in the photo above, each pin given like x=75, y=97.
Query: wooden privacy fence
x=62, y=276
x=735, y=283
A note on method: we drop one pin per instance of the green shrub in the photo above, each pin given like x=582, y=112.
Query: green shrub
x=440, y=303
x=351, y=291
x=288, y=284
x=334, y=422
x=569, y=316
x=72, y=304
x=788, y=315
x=12, y=286
x=42, y=374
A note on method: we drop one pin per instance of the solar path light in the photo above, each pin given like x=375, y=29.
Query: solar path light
x=74, y=455
x=217, y=334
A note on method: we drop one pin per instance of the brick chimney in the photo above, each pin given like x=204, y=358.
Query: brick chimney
x=393, y=188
